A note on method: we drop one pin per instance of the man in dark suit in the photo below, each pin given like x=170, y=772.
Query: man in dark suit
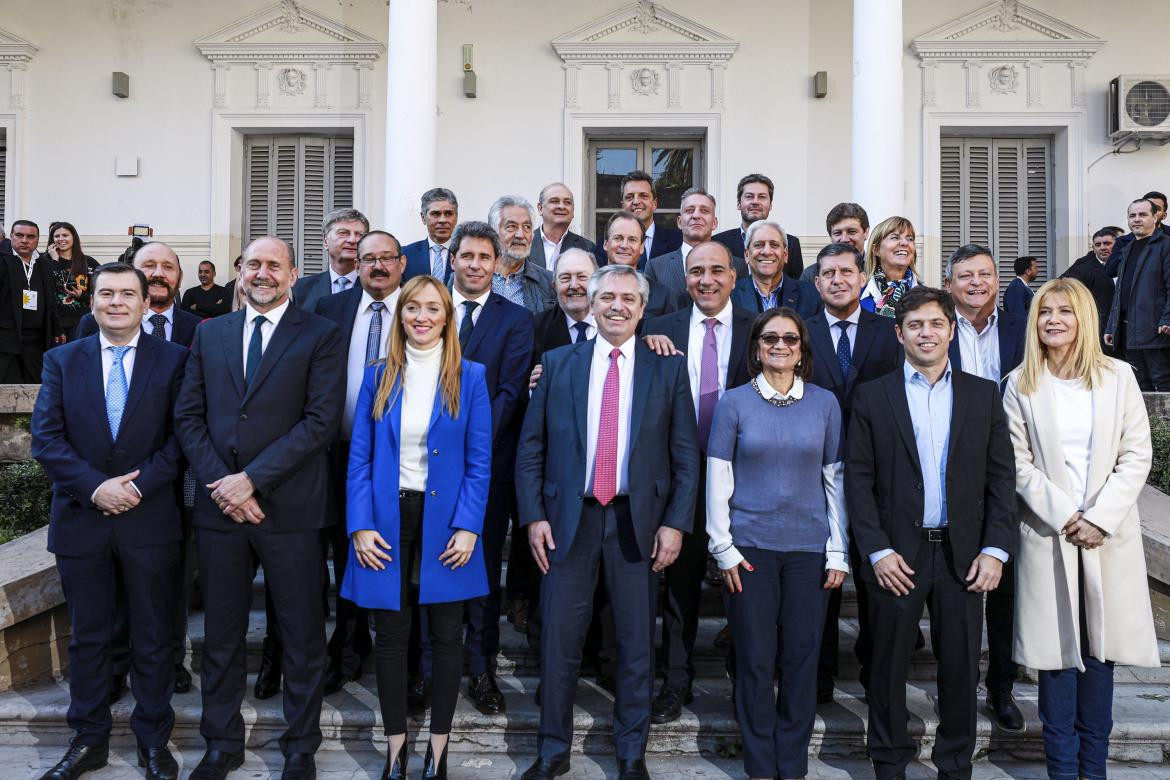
x=364, y=314
x=850, y=346
x=697, y=220
x=115, y=515
x=1089, y=270
x=341, y=231
x=931, y=498
x=606, y=477
x=261, y=402
x=1139, y=319
x=713, y=334
x=989, y=342
x=497, y=333
x=439, y=211
x=623, y=245
x=640, y=199
x=553, y=237
x=753, y=198
x=28, y=319
x=767, y=286
x=1018, y=295
x=572, y=320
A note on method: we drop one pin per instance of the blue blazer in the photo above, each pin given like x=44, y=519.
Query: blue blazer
x=458, y=475
x=71, y=440
x=418, y=261
x=1017, y=297
x=1011, y=329
x=795, y=294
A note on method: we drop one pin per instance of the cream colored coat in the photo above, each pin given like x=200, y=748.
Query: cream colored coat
x=1119, y=619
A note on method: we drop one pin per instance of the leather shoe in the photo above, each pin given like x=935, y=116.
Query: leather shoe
x=216, y=764
x=825, y=692
x=182, y=679
x=722, y=640
x=668, y=704
x=547, y=768
x=518, y=615
x=299, y=766
x=117, y=687
x=418, y=696
x=435, y=769
x=159, y=763
x=335, y=679
x=632, y=769
x=1004, y=711
x=395, y=768
x=78, y=760
x=268, y=678
x=486, y=695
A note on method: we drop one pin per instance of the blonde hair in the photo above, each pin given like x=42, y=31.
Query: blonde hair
x=1087, y=359
x=451, y=368
x=878, y=235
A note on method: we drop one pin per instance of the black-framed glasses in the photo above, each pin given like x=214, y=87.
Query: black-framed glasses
x=369, y=262
x=771, y=339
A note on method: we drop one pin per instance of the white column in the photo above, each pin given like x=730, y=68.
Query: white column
x=879, y=174
x=411, y=102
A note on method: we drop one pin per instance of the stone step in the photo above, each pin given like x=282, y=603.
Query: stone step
x=351, y=721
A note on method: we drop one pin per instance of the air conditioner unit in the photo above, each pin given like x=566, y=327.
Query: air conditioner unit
x=1139, y=107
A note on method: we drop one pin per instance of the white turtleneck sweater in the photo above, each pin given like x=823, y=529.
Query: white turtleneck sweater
x=420, y=381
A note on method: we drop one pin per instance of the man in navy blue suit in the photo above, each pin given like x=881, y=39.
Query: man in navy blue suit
x=641, y=199
x=439, y=211
x=341, y=231
x=989, y=342
x=753, y=198
x=607, y=474
x=261, y=402
x=767, y=286
x=1018, y=295
x=115, y=512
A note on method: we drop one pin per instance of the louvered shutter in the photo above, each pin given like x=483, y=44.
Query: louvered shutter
x=315, y=183
x=951, y=166
x=1038, y=159
x=3, y=174
x=1009, y=217
x=257, y=192
x=978, y=196
x=342, y=173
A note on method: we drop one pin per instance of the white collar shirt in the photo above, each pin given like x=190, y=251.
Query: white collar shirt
x=685, y=249
x=444, y=251
x=355, y=367
x=168, y=326
x=590, y=328
x=598, y=369
x=457, y=299
x=266, y=330
x=108, y=359
x=851, y=328
x=552, y=249
x=335, y=283
x=648, y=241
x=980, y=351
x=696, y=335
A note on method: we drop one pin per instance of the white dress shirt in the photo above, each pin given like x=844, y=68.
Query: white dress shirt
x=355, y=367
x=552, y=249
x=168, y=328
x=266, y=330
x=334, y=287
x=598, y=369
x=685, y=249
x=851, y=328
x=458, y=299
x=980, y=351
x=446, y=254
x=590, y=331
x=696, y=334
x=648, y=241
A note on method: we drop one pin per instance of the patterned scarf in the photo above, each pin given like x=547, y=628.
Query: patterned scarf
x=889, y=293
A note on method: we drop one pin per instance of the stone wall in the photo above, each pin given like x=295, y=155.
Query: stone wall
x=16, y=405
x=34, y=623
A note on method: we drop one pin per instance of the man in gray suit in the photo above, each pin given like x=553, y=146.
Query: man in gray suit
x=341, y=231
x=697, y=221
x=555, y=206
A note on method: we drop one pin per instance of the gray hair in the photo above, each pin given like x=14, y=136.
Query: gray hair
x=475, y=229
x=574, y=252
x=610, y=270
x=507, y=201
x=697, y=191
x=755, y=228
x=434, y=195
x=547, y=187
x=343, y=215
x=965, y=253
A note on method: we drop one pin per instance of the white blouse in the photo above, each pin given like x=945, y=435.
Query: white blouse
x=1074, y=410
x=420, y=381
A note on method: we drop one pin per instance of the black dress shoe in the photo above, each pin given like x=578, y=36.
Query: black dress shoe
x=824, y=692
x=632, y=769
x=432, y=769
x=79, y=759
x=299, y=766
x=547, y=769
x=668, y=704
x=182, y=679
x=485, y=694
x=1004, y=711
x=722, y=640
x=335, y=679
x=216, y=764
x=538, y=692
x=268, y=678
x=117, y=687
x=395, y=768
x=418, y=696
x=159, y=763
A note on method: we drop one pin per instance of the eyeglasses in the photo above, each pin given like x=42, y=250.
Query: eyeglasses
x=771, y=339
x=370, y=262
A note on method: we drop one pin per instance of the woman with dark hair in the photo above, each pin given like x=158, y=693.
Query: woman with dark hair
x=71, y=270
x=419, y=468
x=780, y=546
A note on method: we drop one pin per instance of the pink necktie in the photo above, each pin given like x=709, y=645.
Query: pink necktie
x=708, y=381
x=605, y=460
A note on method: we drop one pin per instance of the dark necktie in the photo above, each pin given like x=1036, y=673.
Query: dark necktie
x=467, y=324
x=158, y=323
x=255, y=351
x=843, y=355
x=374, y=337
x=582, y=329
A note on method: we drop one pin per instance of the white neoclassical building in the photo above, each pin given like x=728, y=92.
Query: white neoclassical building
x=987, y=122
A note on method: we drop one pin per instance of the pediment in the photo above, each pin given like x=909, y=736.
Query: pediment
x=642, y=31
x=287, y=30
x=13, y=48
x=1006, y=28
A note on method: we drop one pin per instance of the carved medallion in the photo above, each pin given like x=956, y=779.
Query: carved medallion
x=1004, y=79
x=644, y=81
x=292, y=81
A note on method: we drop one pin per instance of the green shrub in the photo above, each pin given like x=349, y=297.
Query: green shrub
x=24, y=499
x=1160, y=470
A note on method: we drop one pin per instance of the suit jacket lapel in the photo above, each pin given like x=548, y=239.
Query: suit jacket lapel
x=741, y=327
x=484, y=324
x=822, y=340
x=866, y=330
x=643, y=378
x=233, y=347
x=144, y=360
x=958, y=409
x=955, y=352
x=350, y=314
x=92, y=376
x=282, y=337
x=579, y=372
x=1007, y=345
x=900, y=408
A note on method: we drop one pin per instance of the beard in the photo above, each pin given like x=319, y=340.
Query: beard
x=157, y=297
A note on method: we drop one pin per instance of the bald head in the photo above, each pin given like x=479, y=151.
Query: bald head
x=159, y=263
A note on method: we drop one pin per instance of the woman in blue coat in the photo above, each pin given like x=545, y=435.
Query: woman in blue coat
x=419, y=467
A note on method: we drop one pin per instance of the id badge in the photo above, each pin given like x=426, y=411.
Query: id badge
x=30, y=300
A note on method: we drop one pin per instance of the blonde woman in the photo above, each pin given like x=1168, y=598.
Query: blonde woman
x=1082, y=442
x=891, y=265
x=419, y=467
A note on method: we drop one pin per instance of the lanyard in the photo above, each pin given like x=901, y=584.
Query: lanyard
x=28, y=272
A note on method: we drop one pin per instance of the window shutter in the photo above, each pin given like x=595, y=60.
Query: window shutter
x=951, y=229
x=342, y=170
x=1038, y=159
x=978, y=195
x=285, y=211
x=3, y=174
x=1009, y=218
x=313, y=195
x=257, y=192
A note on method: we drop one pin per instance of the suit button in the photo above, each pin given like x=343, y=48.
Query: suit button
x=919, y=486
x=434, y=493
x=234, y=452
x=434, y=452
x=243, y=418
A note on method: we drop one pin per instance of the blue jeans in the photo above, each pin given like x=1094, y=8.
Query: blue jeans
x=1076, y=709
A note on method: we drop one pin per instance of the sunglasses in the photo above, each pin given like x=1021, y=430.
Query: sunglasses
x=771, y=339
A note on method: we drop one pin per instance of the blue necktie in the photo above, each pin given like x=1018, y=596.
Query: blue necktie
x=437, y=261
x=255, y=351
x=116, y=390
x=158, y=324
x=582, y=329
x=374, y=338
x=467, y=324
x=843, y=355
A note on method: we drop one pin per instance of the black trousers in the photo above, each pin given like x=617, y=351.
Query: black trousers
x=350, y=642
x=24, y=367
x=956, y=627
x=604, y=546
x=292, y=576
x=1000, y=614
x=483, y=614
x=684, y=588
x=828, y=667
x=1152, y=367
x=518, y=582
x=91, y=592
x=392, y=629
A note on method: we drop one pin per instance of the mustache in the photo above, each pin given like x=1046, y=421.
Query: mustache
x=379, y=275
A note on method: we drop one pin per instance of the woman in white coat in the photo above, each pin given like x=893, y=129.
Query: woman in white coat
x=1082, y=443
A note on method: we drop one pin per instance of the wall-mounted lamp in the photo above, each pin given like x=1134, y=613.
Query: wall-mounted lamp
x=121, y=84
x=468, y=72
x=821, y=84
